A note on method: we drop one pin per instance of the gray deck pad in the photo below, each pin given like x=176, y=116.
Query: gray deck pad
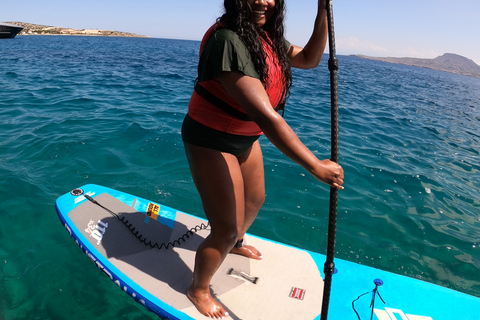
x=248, y=289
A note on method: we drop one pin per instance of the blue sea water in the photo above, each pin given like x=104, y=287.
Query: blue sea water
x=78, y=110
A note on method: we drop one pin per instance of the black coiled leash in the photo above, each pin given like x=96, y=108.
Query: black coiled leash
x=144, y=240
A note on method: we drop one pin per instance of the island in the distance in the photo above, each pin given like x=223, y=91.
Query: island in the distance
x=448, y=62
x=38, y=29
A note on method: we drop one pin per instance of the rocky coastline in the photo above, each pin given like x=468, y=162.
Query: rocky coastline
x=448, y=62
x=37, y=29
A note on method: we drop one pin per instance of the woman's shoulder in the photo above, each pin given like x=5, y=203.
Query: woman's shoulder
x=226, y=35
x=224, y=51
x=226, y=41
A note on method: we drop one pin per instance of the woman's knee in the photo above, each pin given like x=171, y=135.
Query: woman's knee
x=255, y=202
x=226, y=235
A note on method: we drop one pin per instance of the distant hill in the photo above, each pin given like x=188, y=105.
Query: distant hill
x=449, y=62
x=33, y=29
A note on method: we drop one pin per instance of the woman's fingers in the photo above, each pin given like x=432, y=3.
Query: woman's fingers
x=331, y=174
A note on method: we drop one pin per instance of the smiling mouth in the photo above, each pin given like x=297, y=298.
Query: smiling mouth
x=257, y=12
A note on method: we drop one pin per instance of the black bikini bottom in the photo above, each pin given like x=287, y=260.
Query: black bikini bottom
x=200, y=135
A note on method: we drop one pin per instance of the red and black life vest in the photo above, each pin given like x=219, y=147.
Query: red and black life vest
x=213, y=107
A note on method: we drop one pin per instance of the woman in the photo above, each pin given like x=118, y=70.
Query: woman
x=244, y=74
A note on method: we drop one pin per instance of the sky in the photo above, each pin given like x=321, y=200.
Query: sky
x=379, y=28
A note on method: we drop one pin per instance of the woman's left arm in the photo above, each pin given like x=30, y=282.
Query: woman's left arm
x=311, y=55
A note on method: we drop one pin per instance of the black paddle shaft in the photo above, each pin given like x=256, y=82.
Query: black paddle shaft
x=329, y=267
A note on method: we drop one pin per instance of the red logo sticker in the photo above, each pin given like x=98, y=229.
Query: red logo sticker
x=297, y=293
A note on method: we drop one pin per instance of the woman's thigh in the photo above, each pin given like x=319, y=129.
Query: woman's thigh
x=219, y=181
x=253, y=174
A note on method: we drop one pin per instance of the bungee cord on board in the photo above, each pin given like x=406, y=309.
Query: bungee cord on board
x=145, y=241
x=378, y=283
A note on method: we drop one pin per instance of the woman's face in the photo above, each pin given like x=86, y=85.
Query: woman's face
x=262, y=10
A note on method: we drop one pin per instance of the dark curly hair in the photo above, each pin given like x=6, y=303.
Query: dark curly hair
x=238, y=18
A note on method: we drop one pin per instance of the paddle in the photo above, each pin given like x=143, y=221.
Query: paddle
x=332, y=219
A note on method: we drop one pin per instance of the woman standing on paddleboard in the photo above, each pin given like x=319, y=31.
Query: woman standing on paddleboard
x=244, y=78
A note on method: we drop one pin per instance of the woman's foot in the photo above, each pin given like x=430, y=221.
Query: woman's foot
x=247, y=251
x=206, y=305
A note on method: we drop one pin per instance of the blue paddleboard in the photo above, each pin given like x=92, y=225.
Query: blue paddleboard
x=148, y=250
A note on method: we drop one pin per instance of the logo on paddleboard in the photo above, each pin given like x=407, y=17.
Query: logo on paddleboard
x=97, y=230
x=394, y=314
x=153, y=210
x=297, y=293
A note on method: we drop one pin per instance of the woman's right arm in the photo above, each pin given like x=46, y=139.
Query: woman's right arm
x=250, y=94
x=310, y=56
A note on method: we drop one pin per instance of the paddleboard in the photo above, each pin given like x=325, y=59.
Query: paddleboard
x=148, y=250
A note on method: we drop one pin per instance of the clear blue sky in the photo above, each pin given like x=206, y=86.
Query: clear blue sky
x=408, y=28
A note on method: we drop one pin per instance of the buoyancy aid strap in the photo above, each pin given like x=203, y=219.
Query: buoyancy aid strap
x=219, y=103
